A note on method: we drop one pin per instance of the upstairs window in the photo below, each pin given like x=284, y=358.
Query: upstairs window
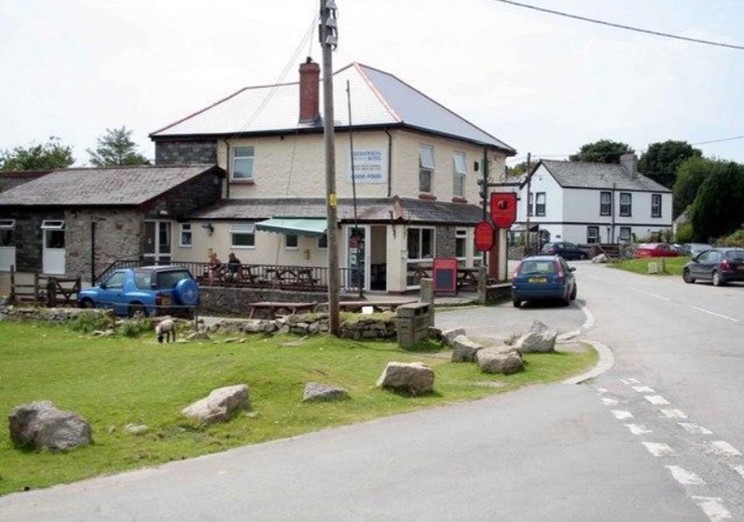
x=656, y=205
x=540, y=204
x=458, y=175
x=605, y=203
x=426, y=169
x=242, y=164
x=626, y=204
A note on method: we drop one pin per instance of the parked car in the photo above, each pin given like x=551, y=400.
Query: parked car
x=719, y=265
x=541, y=278
x=693, y=249
x=565, y=250
x=144, y=291
x=655, y=250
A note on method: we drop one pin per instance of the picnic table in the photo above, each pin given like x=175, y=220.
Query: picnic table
x=274, y=307
x=465, y=275
x=291, y=275
x=377, y=306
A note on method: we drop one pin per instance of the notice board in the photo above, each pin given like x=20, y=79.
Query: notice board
x=444, y=274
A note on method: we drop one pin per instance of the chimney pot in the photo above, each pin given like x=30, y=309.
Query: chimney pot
x=309, y=91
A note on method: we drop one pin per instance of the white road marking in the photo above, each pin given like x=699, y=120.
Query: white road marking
x=638, y=429
x=674, y=414
x=620, y=415
x=609, y=401
x=657, y=400
x=684, y=477
x=739, y=470
x=644, y=389
x=712, y=507
x=658, y=449
x=630, y=381
x=602, y=390
x=714, y=314
x=694, y=428
x=720, y=447
x=649, y=293
x=589, y=318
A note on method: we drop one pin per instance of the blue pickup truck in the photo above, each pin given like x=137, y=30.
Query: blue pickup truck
x=145, y=291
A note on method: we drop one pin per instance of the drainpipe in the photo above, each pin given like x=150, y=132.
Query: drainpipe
x=390, y=163
x=612, y=213
x=227, y=168
x=92, y=253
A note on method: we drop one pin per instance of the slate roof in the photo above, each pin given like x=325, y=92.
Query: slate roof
x=12, y=179
x=379, y=99
x=118, y=186
x=381, y=210
x=580, y=174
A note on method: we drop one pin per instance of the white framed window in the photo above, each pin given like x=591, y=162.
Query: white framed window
x=242, y=163
x=323, y=242
x=625, y=234
x=656, y=205
x=626, y=204
x=53, y=224
x=530, y=201
x=54, y=236
x=605, y=203
x=186, y=237
x=291, y=242
x=6, y=224
x=242, y=235
x=461, y=243
x=540, y=204
x=6, y=232
x=592, y=235
x=421, y=243
x=458, y=174
x=426, y=169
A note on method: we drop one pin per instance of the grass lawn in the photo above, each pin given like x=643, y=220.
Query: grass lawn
x=672, y=265
x=117, y=380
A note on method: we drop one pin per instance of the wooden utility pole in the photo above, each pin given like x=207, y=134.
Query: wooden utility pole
x=529, y=180
x=328, y=42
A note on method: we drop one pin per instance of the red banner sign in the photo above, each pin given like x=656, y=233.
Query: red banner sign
x=503, y=209
x=483, y=236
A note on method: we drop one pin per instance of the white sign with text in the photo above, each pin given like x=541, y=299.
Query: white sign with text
x=370, y=166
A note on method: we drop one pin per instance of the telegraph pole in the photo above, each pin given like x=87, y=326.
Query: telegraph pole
x=329, y=42
x=529, y=179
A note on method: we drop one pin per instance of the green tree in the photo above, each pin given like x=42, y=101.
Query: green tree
x=48, y=156
x=719, y=206
x=116, y=148
x=517, y=170
x=661, y=160
x=690, y=176
x=602, y=151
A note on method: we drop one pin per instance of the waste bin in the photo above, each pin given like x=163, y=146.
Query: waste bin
x=413, y=322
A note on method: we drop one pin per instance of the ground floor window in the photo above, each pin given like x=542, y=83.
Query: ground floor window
x=461, y=243
x=625, y=234
x=6, y=232
x=592, y=235
x=242, y=235
x=291, y=242
x=55, y=233
x=421, y=248
x=186, y=235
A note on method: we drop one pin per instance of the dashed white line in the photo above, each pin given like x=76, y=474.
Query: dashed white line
x=638, y=429
x=657, y=400
x=684, y=477
x=658, y=449
x=713, y=313
x=644, y=389
x=674, y=414
x=602, y=390
x=713, y=508
x=720, y=447
x=630, y=381
x=609, y=401
x=650, y=294
x=739, y=470
x=694, y=428
x=621, y=415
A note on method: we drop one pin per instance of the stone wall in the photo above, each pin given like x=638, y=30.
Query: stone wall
x=237, y=301
x=445, y=241
x=185, y=152
x=181, y=201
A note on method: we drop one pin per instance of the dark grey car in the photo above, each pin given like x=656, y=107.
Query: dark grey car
x=564, y=249
x=718, y=265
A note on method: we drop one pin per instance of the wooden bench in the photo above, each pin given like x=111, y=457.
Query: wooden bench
x=377, y=306
x=274, y=307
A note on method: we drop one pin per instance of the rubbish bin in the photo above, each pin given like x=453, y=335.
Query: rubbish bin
x=413, y=322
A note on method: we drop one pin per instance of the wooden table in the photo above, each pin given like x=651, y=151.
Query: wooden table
x=467, y=276
x=377, y=306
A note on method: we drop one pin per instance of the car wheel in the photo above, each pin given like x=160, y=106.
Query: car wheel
x=517, y=303
x=87, y=303
x=717, y=279
x=573, y=293
x=137, y=311
x=687, y=276
x=583, y=257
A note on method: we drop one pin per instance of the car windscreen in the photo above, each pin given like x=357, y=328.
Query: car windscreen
x=537, y=267
x=170, y=279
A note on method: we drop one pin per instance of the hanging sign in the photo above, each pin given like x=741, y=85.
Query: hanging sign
x=503, y=209
x=483, y=236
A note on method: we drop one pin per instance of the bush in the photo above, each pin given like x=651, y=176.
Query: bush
x=684, y=233
x=734, y=240
x=136, y=327
x=89, y=321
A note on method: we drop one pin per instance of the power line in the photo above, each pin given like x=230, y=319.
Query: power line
x=621, y=26
x=718, y=141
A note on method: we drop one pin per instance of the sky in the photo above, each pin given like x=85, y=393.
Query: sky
x=541, y=83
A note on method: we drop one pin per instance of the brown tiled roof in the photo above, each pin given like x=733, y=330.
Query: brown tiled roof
x=383, y=210
x=116, y=186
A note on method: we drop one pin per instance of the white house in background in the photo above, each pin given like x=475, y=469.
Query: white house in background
x=583, y=202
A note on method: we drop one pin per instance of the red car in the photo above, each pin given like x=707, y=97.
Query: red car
x=655, y=250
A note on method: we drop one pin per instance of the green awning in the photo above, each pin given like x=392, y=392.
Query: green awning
x=294, y=226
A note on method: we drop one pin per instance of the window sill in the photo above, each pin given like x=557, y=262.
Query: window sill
x=243, y=181
x=427, y=197
x=458, y=199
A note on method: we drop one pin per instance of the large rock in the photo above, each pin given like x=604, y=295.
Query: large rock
x=449, y=335
x=219, y=405
x=464, y=350
x=500, y=360
x=414, y=378
x=539, y=339
x=322, y=392
x=40, y=425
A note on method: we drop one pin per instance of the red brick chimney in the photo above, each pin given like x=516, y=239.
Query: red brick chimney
x=309, y=91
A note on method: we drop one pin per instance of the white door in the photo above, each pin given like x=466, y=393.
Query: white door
x=157, y=242
x=53, y=255
x=7, y=258
x=357, y=257
x=7, y=250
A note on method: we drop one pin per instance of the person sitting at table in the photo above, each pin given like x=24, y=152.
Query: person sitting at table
x=214, y=267
x=233, y=267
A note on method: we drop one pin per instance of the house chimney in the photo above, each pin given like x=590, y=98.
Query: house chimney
x=309, y=91
x=629, y=161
